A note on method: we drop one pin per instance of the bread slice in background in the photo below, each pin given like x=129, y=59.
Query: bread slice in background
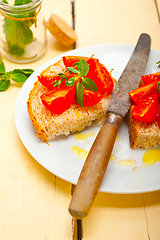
x=49, y=125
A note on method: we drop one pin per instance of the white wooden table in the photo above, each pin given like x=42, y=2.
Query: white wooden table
x=34, y=202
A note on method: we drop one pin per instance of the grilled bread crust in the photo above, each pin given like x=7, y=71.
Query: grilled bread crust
x=141, y=134
x=49, y=125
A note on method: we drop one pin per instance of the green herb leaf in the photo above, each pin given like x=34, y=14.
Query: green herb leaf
x=71, y=81
x=2, y=67
x=62, y=76
x=5, y=1
x=158, y=64
x=89, y=84
x=79, y=94
x=57, y=83
x=83, y=68
x=26, y=72
x=4, y=85
x=71, y=69
x=19, y=36
x=18, y=77
x=22, y=2
x=158, y=86
x=6, y=24
x=18, y=33
x=27, y=33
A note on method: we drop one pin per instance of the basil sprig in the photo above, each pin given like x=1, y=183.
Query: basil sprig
x=158, y=87
x=18, y=33
x=158, y=84
x=81, y=69
x=158, y=64
x=17, y=75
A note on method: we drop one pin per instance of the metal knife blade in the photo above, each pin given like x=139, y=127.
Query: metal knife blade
x=130, y=78
x=98, y=158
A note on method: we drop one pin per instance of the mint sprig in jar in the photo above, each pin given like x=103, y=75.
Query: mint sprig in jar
x=22, y=30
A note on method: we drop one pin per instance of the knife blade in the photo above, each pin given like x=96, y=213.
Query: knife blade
x=98, y=158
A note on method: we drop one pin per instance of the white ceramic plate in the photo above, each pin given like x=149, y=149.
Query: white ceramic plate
x=59, y=159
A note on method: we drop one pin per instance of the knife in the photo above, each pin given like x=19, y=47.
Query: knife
x=77, y=227
x=98, y=158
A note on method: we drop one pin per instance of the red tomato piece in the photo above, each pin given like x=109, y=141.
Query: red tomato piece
x=146, y=110
x=91, y=98
x=97, y=72
x=70, y=60
x=140, y=93
x=50, y=81
x=106, y=78
x=158, y=115
x=58, y=101
x=151, y=78
x=93, y=71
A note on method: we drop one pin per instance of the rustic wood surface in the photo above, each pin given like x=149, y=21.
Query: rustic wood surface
x=34, y=202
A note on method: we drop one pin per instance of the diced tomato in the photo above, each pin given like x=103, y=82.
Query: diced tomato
x=50, y=81
x=97, y=72
x=58, y=101
x=140, y=93
x=158, y=90
x=61, y=97
x=151, y=78
x=146, y=110
x=158, y=115
x=90, y=98
x=106, y=78
x=70, y=60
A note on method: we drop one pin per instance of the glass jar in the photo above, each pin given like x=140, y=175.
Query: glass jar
x=22, y=31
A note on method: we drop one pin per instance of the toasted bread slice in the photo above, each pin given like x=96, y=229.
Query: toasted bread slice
x=142, y=135
x=49, y=125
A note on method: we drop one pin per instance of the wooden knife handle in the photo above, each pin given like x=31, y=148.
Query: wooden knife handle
x=94, y=168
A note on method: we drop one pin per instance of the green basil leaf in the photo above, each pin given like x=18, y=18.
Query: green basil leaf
x=15, y=33
x=22, y=2
x=57, y=83
x=62, y=76
x=71, y=69
x=18, y=33
x=5, y=1
x=18, y=36
x=79, y=94
x=89, y=84
x=27, y=33
x=6, y=24
x=15, y=38
x=18, y=77
x=4, y=85
x=71, y=81
x=83, y=68
x=2, y=67
x=26, y=72
x=158, y=87
x=158, y=64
